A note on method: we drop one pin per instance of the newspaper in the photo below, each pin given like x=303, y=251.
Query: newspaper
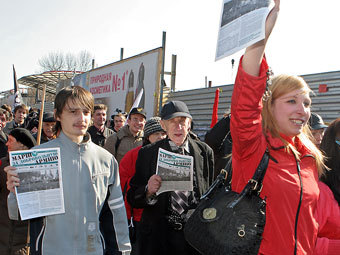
x=176, y=171
x=242, y=24
x=40, y=192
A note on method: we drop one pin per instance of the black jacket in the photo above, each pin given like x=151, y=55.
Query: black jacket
x=3, y=147
x=219, y=139
x=153, y=217
x=98, y=137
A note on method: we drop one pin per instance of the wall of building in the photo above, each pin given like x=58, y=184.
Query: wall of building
x=200, y=101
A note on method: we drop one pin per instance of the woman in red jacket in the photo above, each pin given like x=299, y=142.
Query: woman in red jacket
x=153, y=132
x=276, y=121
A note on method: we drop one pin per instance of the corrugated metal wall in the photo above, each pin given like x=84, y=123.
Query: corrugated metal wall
x=200, y=101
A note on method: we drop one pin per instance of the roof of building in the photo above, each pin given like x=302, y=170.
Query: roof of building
x=50, y=78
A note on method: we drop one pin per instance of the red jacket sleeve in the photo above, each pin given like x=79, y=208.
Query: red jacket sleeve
x=127, y=169
x=249, y=143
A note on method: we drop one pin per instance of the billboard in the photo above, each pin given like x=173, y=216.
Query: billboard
x=118, y=84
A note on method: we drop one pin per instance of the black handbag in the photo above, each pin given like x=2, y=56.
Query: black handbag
x=226, y=222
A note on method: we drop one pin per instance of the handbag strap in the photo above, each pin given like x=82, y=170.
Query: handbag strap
x=221, y=178
x=256, y=181
x=254, y=185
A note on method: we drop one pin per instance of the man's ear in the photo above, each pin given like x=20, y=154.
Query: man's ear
x=162, y=125
x=55, y=115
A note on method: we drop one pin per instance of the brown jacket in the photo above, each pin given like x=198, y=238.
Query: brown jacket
x=127, y=142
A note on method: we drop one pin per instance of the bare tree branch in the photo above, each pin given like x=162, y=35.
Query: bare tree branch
x=58, y=61
x=84, y=61
x=54, y=61
x=70, y=62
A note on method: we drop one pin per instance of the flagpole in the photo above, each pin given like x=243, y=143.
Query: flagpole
x=41, y=115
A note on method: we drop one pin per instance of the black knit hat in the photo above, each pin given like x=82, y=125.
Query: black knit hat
x=152, y=126
x=23, y=136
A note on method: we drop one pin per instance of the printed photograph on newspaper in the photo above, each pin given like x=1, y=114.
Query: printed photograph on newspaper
x=176, y=171
x=242, y=24
x=41, y=191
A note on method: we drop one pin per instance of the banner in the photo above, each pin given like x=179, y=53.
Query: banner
x=117, y=85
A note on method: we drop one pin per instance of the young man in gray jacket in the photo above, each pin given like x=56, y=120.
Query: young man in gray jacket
x=89, y=173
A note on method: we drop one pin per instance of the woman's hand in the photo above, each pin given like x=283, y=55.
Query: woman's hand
x=12, y=178
x=271, y=18
x=253, y=55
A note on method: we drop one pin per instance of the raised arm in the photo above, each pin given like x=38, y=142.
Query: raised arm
x=253, y=55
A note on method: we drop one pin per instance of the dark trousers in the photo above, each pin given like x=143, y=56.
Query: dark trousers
x=135, y=241
x=108, y=231
x=162, y=239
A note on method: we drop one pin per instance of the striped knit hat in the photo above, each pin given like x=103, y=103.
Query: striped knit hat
x=152, y=126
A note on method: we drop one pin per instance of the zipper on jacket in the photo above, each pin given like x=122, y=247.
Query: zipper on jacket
x=299, y=206
x=40, y=236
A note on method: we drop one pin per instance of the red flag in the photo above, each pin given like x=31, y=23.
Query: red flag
x=17, y=94
x=214, y=117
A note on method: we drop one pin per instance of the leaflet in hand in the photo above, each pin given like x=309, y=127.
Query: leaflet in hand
x=176, y=171
x=242, y=24
x=40, y=192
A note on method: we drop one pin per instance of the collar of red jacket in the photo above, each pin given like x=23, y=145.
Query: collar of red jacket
x=276, y=143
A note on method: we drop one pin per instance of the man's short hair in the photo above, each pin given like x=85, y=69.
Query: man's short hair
x=19, y=107
x=74, y=93
x=100, y=107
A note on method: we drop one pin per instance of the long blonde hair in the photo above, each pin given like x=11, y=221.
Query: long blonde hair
x=283, y=84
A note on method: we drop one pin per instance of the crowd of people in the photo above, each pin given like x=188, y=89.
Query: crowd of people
x=110, y=180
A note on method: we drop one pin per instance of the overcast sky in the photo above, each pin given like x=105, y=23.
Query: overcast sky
x=305, y=40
